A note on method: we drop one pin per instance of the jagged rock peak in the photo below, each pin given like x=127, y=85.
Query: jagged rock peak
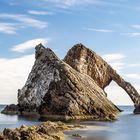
x=37, y=84
x=88, y=62
x=42, y=52
x=81, y=45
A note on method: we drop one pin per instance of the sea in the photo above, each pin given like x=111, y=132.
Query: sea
x=127, y=127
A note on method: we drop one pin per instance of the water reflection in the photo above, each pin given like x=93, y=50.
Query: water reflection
x=8, y=119
x=89, y=138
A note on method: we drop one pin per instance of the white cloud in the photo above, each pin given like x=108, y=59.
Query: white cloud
x=134, y=65
x=99, y=30
x=115, y=60
x=25, y=20
x=13, y=3
x=113, y=57
x=132, y=34
x=137, y=26
x=62, y=3
x=34, y=12
x=70, y=3
x=29, y=44
x=132, y=76
x=7, y=28
x=118, y=66
x=13, y=76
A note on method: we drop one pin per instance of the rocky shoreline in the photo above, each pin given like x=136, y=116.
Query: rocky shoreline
x=45, y=131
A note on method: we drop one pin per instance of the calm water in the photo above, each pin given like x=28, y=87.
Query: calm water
x=13, y=121
x=127, y=128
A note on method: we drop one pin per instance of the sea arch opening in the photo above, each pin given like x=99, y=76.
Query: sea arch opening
x=118, y=95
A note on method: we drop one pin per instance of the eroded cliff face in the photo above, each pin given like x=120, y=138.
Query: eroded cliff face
x=88, y=62
x=42, y=74
x=58, y=91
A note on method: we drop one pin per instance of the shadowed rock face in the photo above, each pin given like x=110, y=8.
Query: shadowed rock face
x=88, y=62
x=58, y=91
x=42, y=74
x=10, y=109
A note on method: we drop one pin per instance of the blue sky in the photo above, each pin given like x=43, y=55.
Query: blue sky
x=111, y=28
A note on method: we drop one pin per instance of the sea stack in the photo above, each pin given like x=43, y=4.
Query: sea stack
x=72, y=88
x=57, y=91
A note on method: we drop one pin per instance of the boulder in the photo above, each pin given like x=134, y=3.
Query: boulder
x=45, y=131
x=10, y=109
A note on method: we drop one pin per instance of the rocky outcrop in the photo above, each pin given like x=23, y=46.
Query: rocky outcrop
x=10, y=109
x=88, y=62
x=71, y=89
x=60, y=92
x=31, y=95
x=45, y=131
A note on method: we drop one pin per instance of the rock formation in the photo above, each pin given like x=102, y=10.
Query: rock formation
x=10, y=109
x=45, y=131
x=88, y=62
x=73, y=88
x=58, y=91
x=42, y=74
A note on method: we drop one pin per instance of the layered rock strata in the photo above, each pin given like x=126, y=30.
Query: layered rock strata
x=73, y=88
x=58, y=91
x=88, y=62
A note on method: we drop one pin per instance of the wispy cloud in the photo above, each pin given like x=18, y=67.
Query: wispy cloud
x=25, y=20
x=134, y=65
x=136, y=26
x=132, y=75
x=118, y=66
x=70, y=3
x=132, y=34
x=29, y=44
x=67, y=3
x=99, y=30
x=35, y=12
x=13, y=3
x=115, y=60
x=113, y=57
x=8, y=28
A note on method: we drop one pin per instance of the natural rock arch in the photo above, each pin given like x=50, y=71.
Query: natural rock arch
x=88, y=62
x=117, y=94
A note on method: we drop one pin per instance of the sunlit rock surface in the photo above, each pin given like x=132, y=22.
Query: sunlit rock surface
x=45, y=131
x=88, y=62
